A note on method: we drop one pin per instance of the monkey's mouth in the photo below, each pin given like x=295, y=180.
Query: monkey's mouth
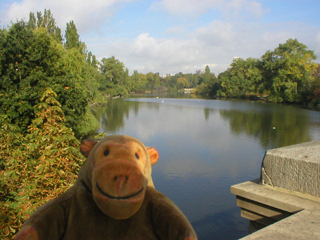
x=118, y=198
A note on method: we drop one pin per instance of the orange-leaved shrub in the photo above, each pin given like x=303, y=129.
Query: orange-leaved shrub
x=35, y=167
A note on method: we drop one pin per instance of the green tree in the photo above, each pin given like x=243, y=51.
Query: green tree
x=114, y=76
x=45, y=21
x=150, y=79
x=239, y=83
x=207, y=75
x=157, y=81
x=182, y=83
x=32, y=24
x=315, y=96
x=254, y=76
x=224, y=79
x=194, y=80
x=153, y=81
x=30, y=61
x=92, y=60
x=206, y=83
x=73, y=39
x=112, y=69
x=242, y=79
x=139, y=82
x=288, y=71
x=172, y=83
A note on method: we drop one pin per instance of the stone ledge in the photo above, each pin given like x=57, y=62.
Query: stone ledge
x=304, y=223
x=260, y=209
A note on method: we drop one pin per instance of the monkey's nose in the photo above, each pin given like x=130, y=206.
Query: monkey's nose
x=121, y=178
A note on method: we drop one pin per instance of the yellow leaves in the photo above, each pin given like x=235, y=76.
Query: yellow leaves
x=48, y=147
x=38, y=166
x=42, y=166
x=48, y=93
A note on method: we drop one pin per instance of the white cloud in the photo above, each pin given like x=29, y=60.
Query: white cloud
x=182, y=7
x=236, y=6
x=255, y=8
x=191, y=8
x=87, y=15
x=147, y=53
x=215, y=45
x=217, y=33
x=177, y=30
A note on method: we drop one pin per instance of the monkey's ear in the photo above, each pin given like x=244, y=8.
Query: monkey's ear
x=153, y=154
x=86, y=146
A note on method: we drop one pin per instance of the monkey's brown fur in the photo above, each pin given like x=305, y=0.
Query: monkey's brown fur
x=113, y=198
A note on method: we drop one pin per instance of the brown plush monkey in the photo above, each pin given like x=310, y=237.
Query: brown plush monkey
x=113, y=198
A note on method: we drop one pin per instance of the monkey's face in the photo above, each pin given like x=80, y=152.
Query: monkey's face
x=119, y=177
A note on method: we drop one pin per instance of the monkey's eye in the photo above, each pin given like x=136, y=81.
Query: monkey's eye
x=137, y=156
x=106, y=152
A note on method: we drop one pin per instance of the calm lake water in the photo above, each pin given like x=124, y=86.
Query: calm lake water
x=206, y=146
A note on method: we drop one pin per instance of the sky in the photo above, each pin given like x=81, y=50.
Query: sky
x=172, y=36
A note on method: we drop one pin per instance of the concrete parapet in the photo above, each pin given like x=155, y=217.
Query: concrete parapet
x=295, y=168
x=286, y=214
x=286, y=198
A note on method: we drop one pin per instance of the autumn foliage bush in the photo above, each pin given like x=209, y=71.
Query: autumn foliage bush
x=37, y=166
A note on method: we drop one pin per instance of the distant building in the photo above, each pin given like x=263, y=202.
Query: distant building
x=200, y=71
x=168, y=75
x=188, y=90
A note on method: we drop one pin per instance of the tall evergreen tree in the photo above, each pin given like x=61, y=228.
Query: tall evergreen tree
x=32, y=23
x=46, y=21
x=73, y=39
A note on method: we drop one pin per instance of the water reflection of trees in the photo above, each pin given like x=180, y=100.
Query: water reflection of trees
x=113, y=114
x=273, y=129
x=272, y=125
